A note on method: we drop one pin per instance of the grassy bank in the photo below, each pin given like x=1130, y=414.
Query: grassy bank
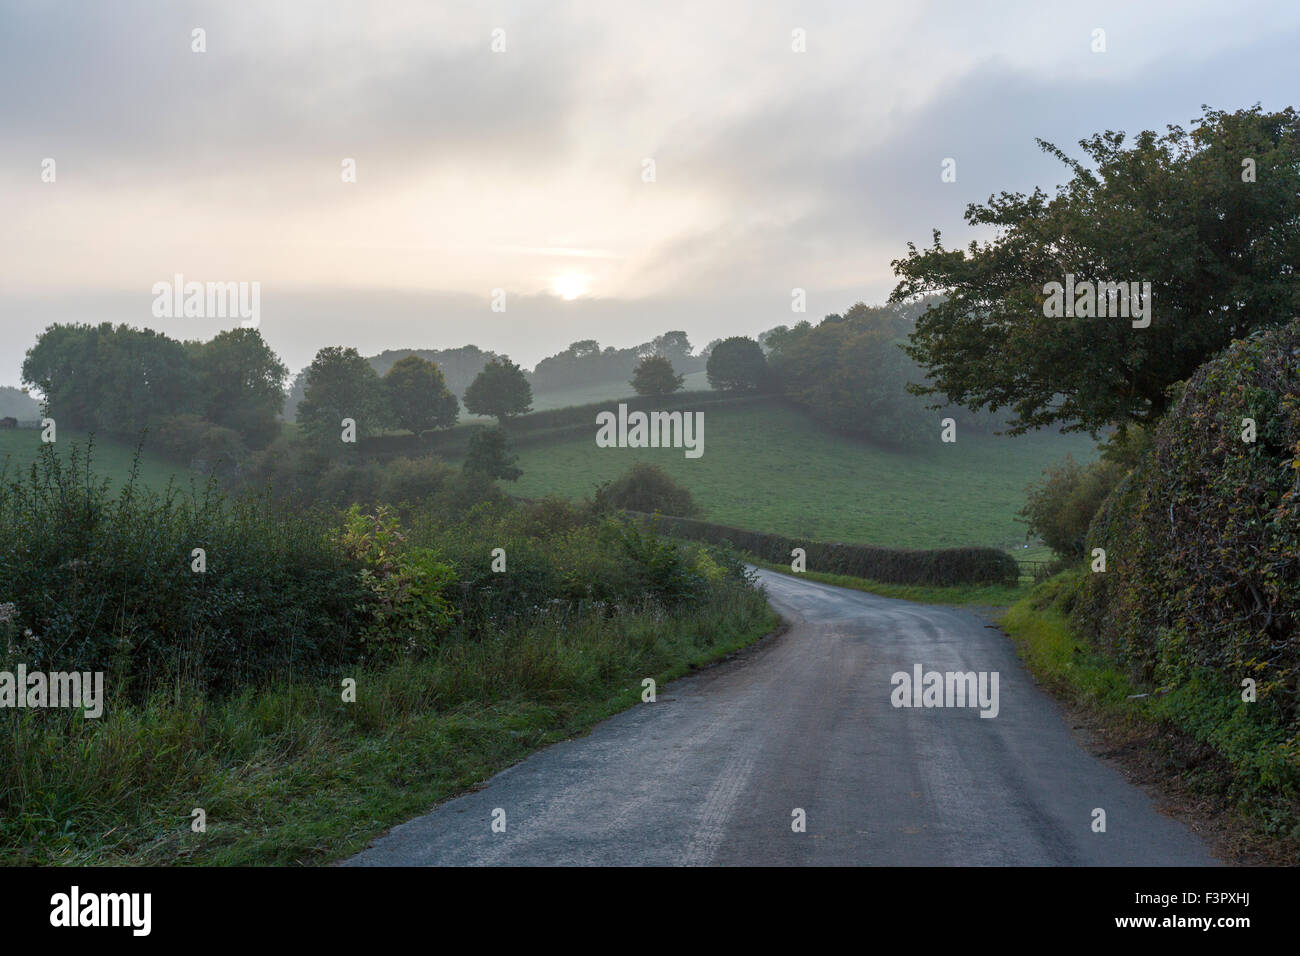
x=293, y=775
x=20, y=448
x=1222, y=748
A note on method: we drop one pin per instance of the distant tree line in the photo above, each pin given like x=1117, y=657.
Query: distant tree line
x=849, y=371
x=582, y=363
x=586, y=363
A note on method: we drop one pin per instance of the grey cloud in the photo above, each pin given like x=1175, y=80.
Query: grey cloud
x=117, y=84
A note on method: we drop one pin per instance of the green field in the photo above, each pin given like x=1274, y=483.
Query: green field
x=769, y=467
x=765, y=466
x=112, y=459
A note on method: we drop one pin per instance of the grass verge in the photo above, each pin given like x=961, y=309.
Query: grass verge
x=1234, y=770
x=293, y=775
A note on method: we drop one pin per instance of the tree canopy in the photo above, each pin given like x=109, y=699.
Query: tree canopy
x=500, y=390
x=341, y=384
x=655, y=376
x=241, y=384
x=418, y=396
x=737, y=364
x=120, y=380
x=1210, y=218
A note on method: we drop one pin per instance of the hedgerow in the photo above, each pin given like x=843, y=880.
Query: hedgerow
x=1202, y=539
x=943, y=567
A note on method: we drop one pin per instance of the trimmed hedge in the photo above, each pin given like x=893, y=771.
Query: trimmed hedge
x=1202, y=538
x=949, y=566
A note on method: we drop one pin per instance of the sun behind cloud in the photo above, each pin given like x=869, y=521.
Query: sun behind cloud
x=570, y=285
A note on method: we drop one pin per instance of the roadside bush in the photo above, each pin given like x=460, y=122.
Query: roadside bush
x=561, y=559
x=105, y=582
x=1060, y=508
x=665, y=572
x=406, y=604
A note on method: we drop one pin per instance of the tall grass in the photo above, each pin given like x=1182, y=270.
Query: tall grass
x=292, y=774
x=225, y=686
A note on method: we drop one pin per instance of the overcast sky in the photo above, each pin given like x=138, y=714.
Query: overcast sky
x=523, y=169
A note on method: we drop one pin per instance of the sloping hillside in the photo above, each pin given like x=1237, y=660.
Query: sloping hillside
x=769, y=467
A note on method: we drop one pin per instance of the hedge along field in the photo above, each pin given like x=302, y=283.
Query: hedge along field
x=768, y=467
x=942, y=568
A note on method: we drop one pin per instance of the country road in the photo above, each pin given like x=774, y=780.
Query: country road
x=711, y=772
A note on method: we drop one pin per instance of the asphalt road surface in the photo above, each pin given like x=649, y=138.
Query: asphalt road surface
x=714, y=770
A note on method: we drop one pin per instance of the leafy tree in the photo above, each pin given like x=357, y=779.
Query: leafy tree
x=117, y=379
x=62, y=366
x=341, y=384
x=240, y=384
x=418, y=396
x=1061, y=506
x=655, y=376
x=646, y=487
x=1180, y=210
x=774, y=339
x=458, y=365
x=737, y=364
x=489, y=455
x=500, y=390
